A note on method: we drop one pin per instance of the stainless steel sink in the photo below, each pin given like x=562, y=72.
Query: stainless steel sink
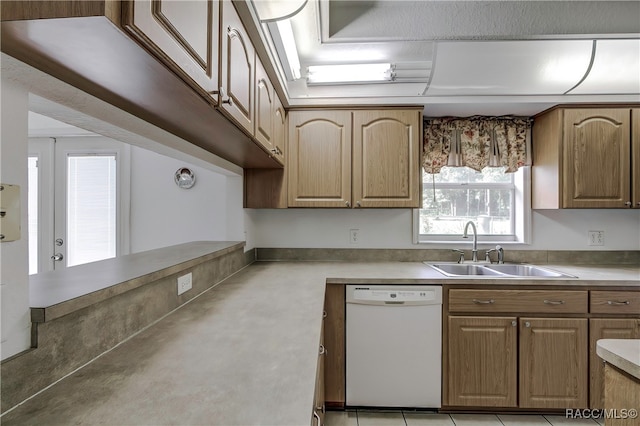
x=526, y=271
x=460, y=269
x=505, y=270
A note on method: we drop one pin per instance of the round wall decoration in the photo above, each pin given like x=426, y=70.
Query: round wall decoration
x=185, y=178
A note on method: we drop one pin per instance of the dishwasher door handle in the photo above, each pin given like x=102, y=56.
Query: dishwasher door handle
x=399, y=302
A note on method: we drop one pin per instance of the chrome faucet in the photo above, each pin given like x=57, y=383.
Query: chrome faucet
x=498, y=249
x=474, y=252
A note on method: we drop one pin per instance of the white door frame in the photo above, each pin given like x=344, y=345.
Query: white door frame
x=52, y=172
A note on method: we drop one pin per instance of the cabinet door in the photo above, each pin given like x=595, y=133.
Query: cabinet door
x=280, y=130
x=600, y=328
x=635, y=161
x=386, y=158
x=319, y=159
x=334, y=338
x=553, y=363
x=596, y=166
x=482, y=361
x=265, y=105
x=182, y=34
x=319, y=408
x=237, y=70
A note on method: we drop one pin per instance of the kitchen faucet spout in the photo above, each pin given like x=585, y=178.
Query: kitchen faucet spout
x=474, y=252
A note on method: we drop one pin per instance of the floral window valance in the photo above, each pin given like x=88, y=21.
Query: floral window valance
x=476, y=142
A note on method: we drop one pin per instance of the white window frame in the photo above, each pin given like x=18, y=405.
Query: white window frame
x=521, y=215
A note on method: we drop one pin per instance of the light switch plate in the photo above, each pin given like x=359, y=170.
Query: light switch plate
x=9, y=212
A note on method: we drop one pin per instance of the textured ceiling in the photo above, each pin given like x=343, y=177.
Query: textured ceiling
x=459, y=20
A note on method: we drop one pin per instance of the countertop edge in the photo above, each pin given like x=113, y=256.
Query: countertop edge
x=56, y=310
x=618, y=352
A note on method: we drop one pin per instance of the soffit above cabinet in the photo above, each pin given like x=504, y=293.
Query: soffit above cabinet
x=474, y=57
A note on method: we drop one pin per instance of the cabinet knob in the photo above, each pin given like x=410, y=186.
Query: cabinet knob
x=358, y=204
x=348, y=204
x=323, y=350
x=527, y=324
x=514, y=323
x=628, y=203
x=638, y=203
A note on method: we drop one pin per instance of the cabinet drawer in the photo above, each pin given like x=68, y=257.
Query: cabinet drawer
x=517, y=301
x=615, y=302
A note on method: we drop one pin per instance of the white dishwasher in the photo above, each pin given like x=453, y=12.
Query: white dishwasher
x=393, y=346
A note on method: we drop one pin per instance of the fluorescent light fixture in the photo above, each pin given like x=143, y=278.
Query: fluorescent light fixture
x=350, y=73
x=289, y=45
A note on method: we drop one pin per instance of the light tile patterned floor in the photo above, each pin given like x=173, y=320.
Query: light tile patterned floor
x=411, y=418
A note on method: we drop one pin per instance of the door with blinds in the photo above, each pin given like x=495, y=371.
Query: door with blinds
x=76, y=188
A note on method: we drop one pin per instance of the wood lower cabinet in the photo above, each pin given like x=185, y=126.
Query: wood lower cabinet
x=606, y=328
x=553, y=363
x=319, y=399
x=622, y=393
x=334, y=341
x=582, y=158
x=483, y=361
x=184, y=35
x=635, y=159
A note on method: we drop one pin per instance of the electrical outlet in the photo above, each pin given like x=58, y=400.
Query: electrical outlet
x=354, y=236
x=596, y=238
x=184, y=283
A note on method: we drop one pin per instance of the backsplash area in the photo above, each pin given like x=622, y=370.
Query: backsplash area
x=618, y=257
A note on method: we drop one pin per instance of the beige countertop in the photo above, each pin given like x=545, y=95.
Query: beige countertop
x=622, y=353
x=242, y=353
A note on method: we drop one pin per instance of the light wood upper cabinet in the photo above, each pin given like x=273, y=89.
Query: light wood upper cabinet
x=184, y=35
x=319, y=158
x=483, y=361
x=280, y=129
x=582, y=159
x=237, y=70
x=386, y=158
x=553, y=363
x=362, y=158
x=606, y=328
x=265, y=106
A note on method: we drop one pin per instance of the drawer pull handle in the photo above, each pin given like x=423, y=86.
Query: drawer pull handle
x=617, y=303
x=553, y=302
x=323, y=350
x=483, y=302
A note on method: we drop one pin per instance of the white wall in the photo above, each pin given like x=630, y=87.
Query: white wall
x=14, y=270
x=162, y=214
x=388, y=228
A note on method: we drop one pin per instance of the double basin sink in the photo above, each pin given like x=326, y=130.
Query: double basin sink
x=503, y=270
